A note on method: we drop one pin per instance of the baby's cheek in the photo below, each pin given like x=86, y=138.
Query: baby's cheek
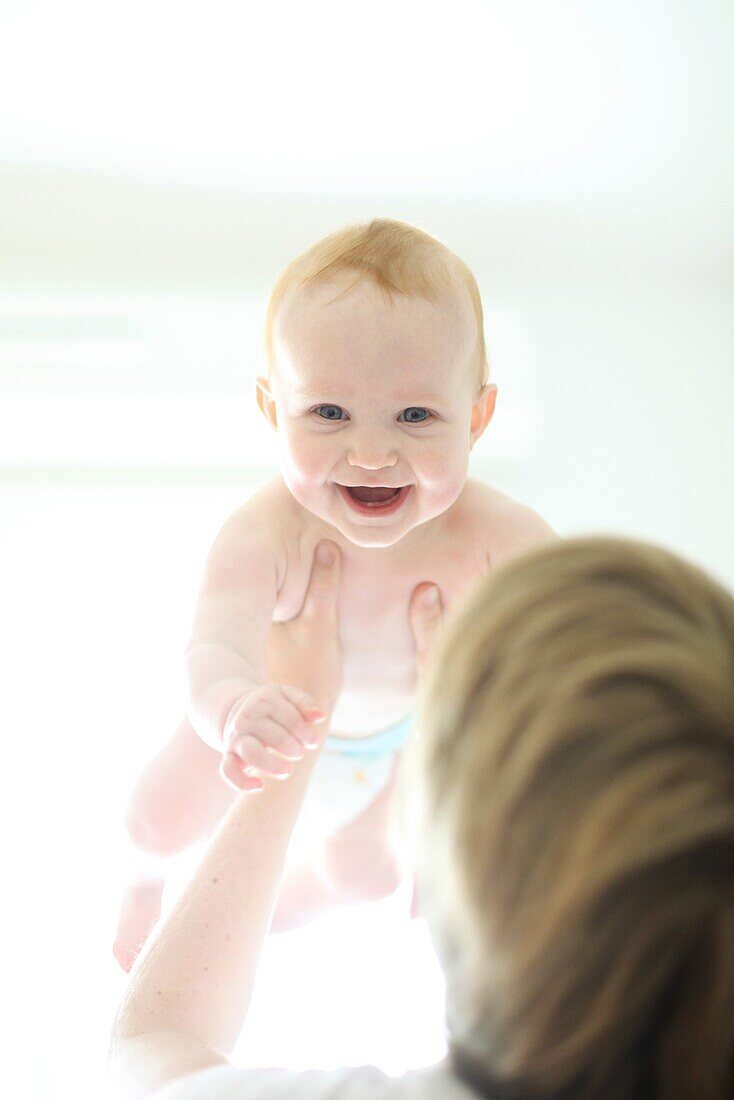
x=301, y=487
x=444, y=475
x=298, y=467
x=440, y=488
x=307, y=461
x=305, y=486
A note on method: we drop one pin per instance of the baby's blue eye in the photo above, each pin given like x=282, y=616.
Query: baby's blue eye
x=410, y=418
x=329, y=412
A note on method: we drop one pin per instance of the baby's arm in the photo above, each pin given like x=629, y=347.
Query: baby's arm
x=230, y=705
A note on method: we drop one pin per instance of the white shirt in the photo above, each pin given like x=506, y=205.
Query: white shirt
x=361, y=1083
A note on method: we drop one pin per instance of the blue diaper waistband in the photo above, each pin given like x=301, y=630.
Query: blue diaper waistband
x=383, y=743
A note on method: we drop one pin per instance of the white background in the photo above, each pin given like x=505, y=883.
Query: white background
x=159, y=164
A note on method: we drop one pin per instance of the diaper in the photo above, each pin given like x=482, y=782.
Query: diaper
x=349, y=775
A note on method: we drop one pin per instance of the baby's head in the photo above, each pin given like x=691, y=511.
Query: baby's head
x=377, y=381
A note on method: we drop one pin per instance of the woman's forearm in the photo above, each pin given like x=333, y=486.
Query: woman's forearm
x=196, y=976
x=191, y=987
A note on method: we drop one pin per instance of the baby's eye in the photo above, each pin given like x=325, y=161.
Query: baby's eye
x=415, y=415
x=329, y=412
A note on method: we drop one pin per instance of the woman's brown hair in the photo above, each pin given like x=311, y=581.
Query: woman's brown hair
x=576, y=804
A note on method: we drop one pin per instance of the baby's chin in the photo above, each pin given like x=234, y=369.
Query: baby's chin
x=373, y=538
x=366, y=537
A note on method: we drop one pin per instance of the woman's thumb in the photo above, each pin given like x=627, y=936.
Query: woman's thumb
x=323, y=588
x=426, y=614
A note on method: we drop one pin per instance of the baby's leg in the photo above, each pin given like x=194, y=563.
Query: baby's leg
x=361, y=862
x=357, y=864
x=178, y=799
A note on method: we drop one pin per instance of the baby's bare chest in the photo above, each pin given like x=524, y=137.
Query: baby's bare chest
x=374, y=622
x=374, y=604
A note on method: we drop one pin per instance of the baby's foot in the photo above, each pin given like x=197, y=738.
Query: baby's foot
x=140, y=909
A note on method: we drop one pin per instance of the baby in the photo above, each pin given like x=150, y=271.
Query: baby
x=377, y=392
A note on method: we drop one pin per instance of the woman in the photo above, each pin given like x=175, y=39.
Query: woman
x=573, y=797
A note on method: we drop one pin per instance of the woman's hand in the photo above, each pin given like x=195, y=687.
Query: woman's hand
x=426, y=616
x=273, y=725
x=306, y=651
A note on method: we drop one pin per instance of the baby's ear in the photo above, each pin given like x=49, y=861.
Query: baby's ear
x=483, y=410
x=266, y=401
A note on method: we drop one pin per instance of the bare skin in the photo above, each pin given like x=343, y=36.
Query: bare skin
x=369, y=361
x=181, y=796
x=187, y=1000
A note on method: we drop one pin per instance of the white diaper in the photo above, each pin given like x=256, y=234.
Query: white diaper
x=349, y=775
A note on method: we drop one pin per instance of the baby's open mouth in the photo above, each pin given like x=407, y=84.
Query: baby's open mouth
x=372, y=494
x=374, y=498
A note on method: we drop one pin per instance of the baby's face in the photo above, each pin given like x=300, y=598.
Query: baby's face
x=371, y=393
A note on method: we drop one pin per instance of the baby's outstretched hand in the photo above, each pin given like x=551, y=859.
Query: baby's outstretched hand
x=265, y=730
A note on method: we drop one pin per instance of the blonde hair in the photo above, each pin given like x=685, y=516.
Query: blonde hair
x=575, y=779
x=398, y=258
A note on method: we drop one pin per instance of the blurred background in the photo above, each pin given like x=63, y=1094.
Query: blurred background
x=159, y=164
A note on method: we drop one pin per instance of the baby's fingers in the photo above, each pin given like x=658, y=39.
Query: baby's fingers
x=232, y=769
x=273, y=735
x=310, y=710
x=253, y=754
x=284, y=729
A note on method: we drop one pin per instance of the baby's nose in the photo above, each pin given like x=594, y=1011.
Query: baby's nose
x=371, y=453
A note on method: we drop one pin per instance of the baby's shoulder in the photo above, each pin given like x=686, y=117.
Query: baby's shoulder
x=260, y=516
x=273, y=504
x=268, y=524
x=273, y=524
x=504, y=525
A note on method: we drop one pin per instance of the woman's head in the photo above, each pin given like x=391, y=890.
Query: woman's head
x=576, y=817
